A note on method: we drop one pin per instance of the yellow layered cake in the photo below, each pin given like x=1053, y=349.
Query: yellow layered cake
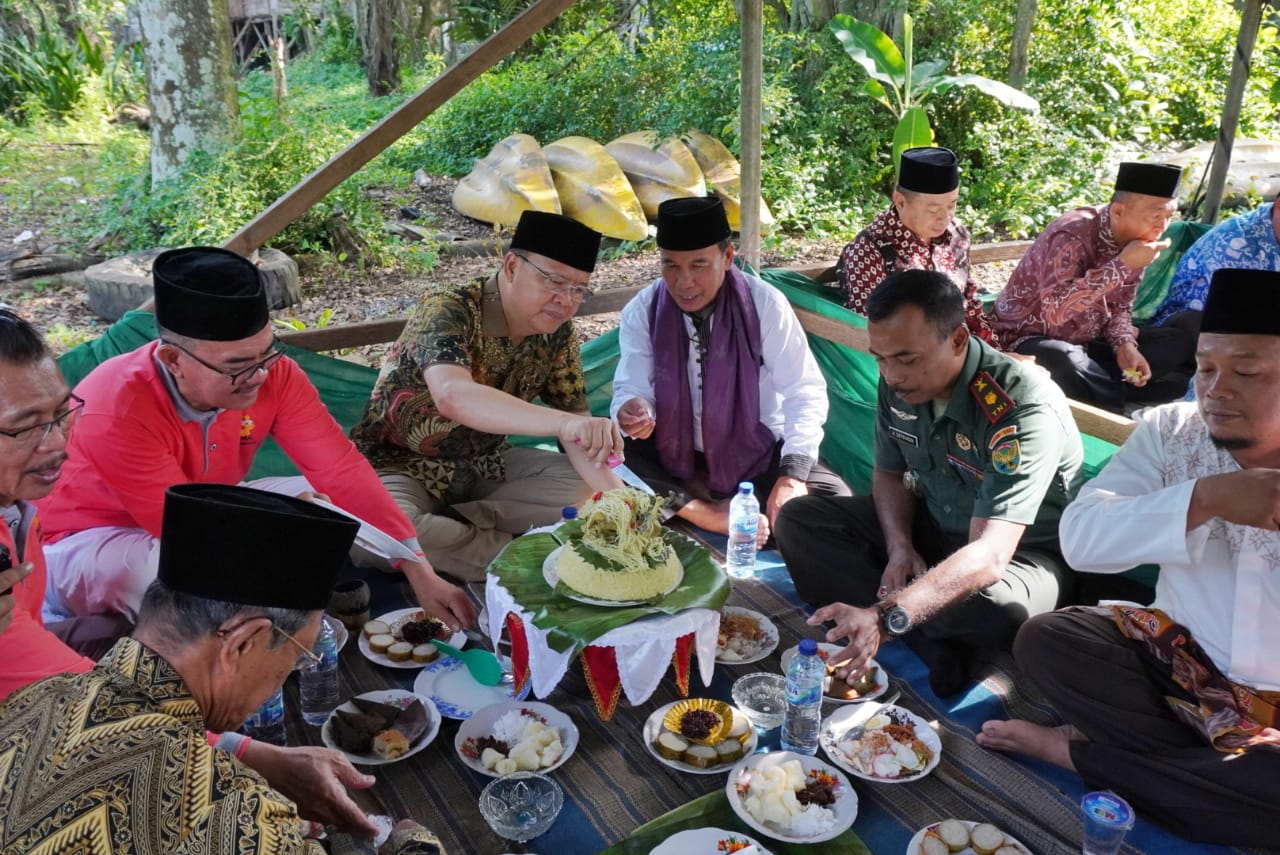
x=620, y=553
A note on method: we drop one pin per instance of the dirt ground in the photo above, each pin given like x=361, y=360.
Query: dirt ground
x=351, y=294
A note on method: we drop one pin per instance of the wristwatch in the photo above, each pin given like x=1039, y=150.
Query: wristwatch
x=894, y=619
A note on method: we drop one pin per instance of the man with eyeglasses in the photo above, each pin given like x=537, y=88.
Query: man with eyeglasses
x=116, y=759
x=464, y=374
x=716, y=384
x=196, y=406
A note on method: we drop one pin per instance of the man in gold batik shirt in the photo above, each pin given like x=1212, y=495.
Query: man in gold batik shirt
x=117, y=760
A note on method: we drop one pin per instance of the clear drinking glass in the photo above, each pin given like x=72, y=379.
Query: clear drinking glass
x=762, y=697
x=522, y=805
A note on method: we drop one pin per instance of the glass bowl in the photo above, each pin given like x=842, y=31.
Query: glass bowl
x=762, y=697
x=522, y=805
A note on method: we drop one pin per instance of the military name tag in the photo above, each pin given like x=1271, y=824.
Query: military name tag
x=902, y=436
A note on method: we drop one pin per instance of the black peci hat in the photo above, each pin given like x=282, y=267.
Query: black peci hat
x=559, y=238
x=1242, y=302
x=251, y=547
x=932, y=170
x=1149, y=179
x=694, y=222
x=209, y=294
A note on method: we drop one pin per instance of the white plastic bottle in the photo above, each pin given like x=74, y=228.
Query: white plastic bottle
x=804, y=700
x=744, y=518
x=318, y=683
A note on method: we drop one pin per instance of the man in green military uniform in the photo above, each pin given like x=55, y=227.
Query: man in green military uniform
x=977, y=455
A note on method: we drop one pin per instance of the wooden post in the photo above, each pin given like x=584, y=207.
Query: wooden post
x=752, y=72
x=1250, y=20
x=394, y=125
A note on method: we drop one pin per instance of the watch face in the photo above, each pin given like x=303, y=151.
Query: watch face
x=897, y=621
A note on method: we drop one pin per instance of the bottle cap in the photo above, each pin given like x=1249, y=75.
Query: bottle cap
x=808, y=647
x=746, y=488
x=569, y=513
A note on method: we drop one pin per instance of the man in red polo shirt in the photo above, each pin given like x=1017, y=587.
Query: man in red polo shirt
x=196, y=406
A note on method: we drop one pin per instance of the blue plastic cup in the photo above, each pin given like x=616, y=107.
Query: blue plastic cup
x=1107, y=818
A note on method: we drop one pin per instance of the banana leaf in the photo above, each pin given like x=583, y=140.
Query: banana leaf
x=572, y=625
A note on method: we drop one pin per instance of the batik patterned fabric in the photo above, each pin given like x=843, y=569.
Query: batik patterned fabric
x=887, y=246
x=1247, y=241
x=1070, y=285
x=116, y=761
x=403, y=430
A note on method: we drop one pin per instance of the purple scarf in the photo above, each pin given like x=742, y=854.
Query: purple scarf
x=737, y=446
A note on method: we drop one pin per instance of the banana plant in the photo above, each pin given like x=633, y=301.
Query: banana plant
x=903, y=85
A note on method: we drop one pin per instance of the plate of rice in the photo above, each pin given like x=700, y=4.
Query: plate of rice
x=516, y=736
x=745, y=636
x=792, y=797
x=896, y=746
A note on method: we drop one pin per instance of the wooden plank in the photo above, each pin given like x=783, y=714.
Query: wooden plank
x=752, y=49
x=1103, y=424
x=1250, y=20
x=394, y=125
x=983, y=253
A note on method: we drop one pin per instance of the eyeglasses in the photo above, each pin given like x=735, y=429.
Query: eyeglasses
x=305, y=657
x=558, y=285
x=36, y=434
x=239, y=376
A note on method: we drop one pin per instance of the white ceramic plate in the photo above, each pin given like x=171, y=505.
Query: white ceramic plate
x=706, y=841
x=913, y=848
x=456, y=693
x=838, y=723
x=653, y=727
x=397, y=697
x=458, y=639
x=882, y=676
x=770, y=639
x=373, y=538
x=845, y=807
x=482, y=721
x=552, y=575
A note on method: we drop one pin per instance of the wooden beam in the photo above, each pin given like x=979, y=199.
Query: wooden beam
x=983, y=253
x=394, y=125
x=1250, y=20
x=1103, y=424
x=752, y=41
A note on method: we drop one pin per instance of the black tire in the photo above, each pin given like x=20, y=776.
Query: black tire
x=121, y=284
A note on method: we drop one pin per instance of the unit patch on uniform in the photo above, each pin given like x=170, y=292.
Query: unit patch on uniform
x=1008, y=430
x=1007, y=457
x=992, y=399
x=903, y=414
x=902, y=436
x=964, y=442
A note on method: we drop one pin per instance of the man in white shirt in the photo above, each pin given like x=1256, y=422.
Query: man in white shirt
x=716, y=384
x=1176, y=706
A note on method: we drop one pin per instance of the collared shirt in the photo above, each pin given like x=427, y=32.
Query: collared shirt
x=1005, y=447
x=403, y=430
x=1070, y=285
x=134, y=440
x=30, y=652
x=1220, y=580
x=886, y=246
x=793, y=392
x=1247, y=241
x=116, y=760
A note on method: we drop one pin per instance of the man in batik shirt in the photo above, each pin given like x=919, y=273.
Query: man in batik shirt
x=919, y=231
x=1070, y=300
x=463, y=375
x=116, y=760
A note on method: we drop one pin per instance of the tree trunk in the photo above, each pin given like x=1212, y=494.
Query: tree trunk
x=68, y=18
x=884, y=14
x=381, y=30
x=810, y=14
x=194, y=101
x=1020, y=51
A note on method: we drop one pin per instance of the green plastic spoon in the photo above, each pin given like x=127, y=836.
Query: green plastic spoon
x=483, y=665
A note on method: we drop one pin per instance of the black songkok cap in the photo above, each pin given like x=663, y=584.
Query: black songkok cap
x=694, y=222
x=1149, y=179
x=559, y=238
x=209, y=294
x=251, y=547
x=1242, y=302
x=932, y=170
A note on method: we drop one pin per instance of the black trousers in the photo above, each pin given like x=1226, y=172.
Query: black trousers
x=835, y=551
x=1105, y=685
x=643, y=459
x=1089, y=372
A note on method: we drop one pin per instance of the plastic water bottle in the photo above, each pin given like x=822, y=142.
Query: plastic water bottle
x=744, y=517
x=267, y=723
x=319, y=682
x=568, y=514
x=804, y=700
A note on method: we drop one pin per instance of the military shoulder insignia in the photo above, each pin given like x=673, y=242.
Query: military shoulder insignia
x=1007, y=457
x=903, y=414
x=991, y=397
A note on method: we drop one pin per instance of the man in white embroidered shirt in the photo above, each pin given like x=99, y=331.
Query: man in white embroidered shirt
x=716, y=384
x=1176, y=706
